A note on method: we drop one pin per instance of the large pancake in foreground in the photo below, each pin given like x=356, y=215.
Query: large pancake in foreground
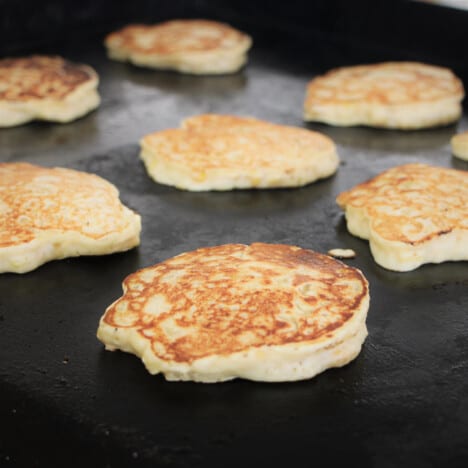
x=225, y=152
x=402, y=95
x=188, y=46
x=262, y=312
x=411, y=214
x=53, y=213
x=45, y=88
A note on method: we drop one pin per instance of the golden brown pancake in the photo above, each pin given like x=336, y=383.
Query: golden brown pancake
x=190, y=46
x=411, y=214
x=45, y=88
x=53, y=213
x=403, y=95
x=225, y=152
x=262, y=312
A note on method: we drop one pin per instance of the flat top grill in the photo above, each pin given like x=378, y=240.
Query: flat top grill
x=402, y=402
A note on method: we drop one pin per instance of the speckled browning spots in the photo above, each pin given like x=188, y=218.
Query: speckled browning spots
x=35, y=200
x=39, y=77
x=391, y=83
x=178, y=36
x=413, y=203
x=230, y=298
x=212, y=142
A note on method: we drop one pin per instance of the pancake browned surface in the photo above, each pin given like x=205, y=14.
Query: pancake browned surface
x=223, y=152
x=459, y=144
x=190, y=46
x=403, y=95
x=53, y=213
x=45, y=88
x=262, y=312
x=411, y=214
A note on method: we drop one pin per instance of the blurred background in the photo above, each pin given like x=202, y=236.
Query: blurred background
x=362, y=30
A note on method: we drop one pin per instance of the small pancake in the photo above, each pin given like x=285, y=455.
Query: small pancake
x=53, y=213
x=262, y=312
x=223, y=152
x=342, y=253
x=45, y=88
x=401, y=95
x=459, y=144
x=411, y=214
x=188, y=46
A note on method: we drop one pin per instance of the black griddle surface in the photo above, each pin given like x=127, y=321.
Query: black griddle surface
x=402, y=402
